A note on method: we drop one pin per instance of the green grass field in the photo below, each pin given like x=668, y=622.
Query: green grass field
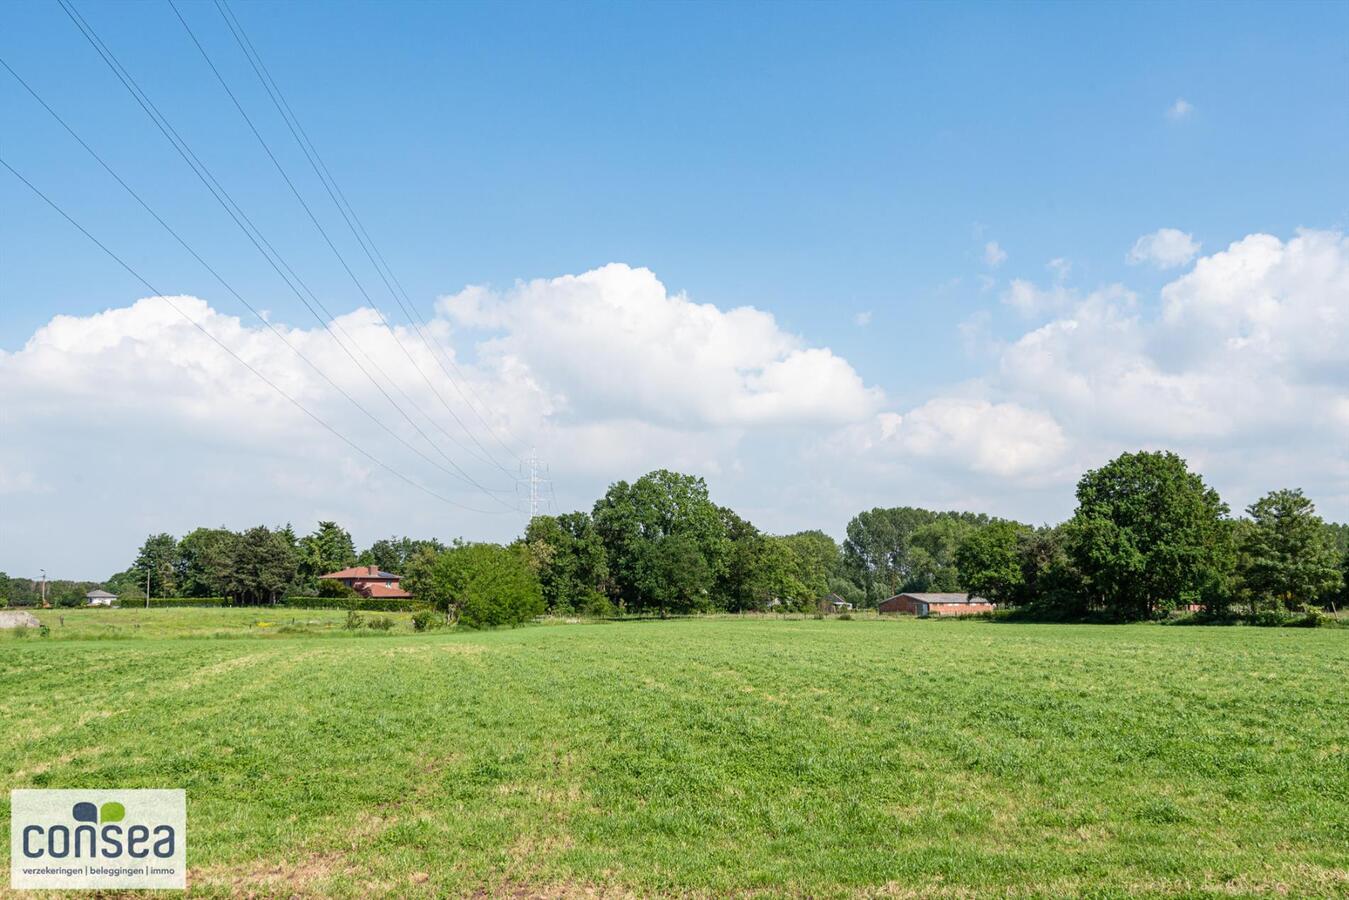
x=706, y=757
x=134, y=623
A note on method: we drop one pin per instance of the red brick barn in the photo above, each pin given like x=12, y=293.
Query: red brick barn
x=924, y=605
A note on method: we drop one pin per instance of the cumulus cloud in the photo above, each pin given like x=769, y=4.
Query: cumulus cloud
x=1003, y=439
x=1165, y=248
x=1030, y=300
x=994, y=255
x=614, y=343
x=134, y=420
x=1238, y=364
x=1243, y=364
x=136, y=417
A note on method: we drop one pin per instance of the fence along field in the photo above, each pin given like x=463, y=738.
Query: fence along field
x=709, y=756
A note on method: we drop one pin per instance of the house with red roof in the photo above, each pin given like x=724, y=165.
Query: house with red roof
x=370, y=581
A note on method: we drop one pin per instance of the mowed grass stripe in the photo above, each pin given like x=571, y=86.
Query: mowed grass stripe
x=718, y=756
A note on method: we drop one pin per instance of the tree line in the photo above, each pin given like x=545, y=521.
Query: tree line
x=28, y=591
x=1148, y=536
x=257, y=565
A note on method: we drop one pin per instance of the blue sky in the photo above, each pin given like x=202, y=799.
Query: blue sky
x=814, y=161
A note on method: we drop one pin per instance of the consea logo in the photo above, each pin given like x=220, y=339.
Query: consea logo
x=65, y=839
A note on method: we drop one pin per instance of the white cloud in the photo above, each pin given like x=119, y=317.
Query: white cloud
x=862, y=319
x=994, y=255
x=1240, y=367
x=134, y=421
x=613, y=343
x=1003, y=439
x=1243, y=365
x=1179, y=110
x=1029, y=300
x=1165, y=248
x=1060, y=267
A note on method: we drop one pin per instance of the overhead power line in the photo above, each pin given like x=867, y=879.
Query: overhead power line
x=218, y=277
x=223, y=346
x=260, y=242
x=324, y=233
x=358, y=229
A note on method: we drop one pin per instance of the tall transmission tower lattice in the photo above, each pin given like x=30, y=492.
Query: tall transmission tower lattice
x=540, y=487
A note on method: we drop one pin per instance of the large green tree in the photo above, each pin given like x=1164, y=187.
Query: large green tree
x=328, y=549
x=263, y=565
x=568, y=554
x=876, y=549
x=817, y=559
x=1050, y=579
x=989, y=562
x=483, y=585
x=157, y=561
x=393, y=554
x=1148, y=534
x=634, y=520
x=674, y=576
x=205, y=556
x=1339, y=536
x=18, y=591
x=1288, y=557
x=905, y=548
x=760, y=571
x=932, y=553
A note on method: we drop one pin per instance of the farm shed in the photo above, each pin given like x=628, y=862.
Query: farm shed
x=100, y=598
x=835, y=604
x=945, y=604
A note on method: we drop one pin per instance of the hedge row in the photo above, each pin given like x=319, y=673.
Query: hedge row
x=364, y=604
x=161, y=602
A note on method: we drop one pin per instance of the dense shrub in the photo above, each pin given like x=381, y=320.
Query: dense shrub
x=380, y=623
x=426, y=619
x=1309, y=617
x=328, y=589
x=486, y=584
x=354, y=620
x=596, y=606
x=1269, y=618
x=1313, y=617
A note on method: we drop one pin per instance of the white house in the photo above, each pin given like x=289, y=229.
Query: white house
x=100, y=598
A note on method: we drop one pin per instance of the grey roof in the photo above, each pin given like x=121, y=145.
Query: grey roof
x=97, y=593
x=945, y=598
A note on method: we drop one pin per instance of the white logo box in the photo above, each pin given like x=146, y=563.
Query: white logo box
x=109, y=839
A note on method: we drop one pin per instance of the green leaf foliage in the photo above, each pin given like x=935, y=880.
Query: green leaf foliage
x=485, y=585
x=1149, y=535
x=990, y=562
x=1288, y=557
x=647, y=526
